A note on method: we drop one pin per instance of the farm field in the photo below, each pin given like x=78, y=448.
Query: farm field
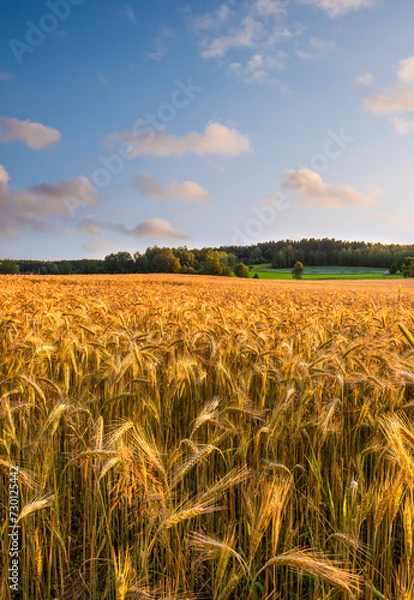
x=183, y=437
x=324, y=272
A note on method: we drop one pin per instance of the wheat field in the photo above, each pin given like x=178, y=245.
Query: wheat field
x=185, y=437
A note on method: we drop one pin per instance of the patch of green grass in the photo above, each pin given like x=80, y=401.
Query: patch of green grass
x=323, y=272
x=270, y=275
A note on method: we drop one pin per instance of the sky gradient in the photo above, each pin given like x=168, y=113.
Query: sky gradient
x=127, y=125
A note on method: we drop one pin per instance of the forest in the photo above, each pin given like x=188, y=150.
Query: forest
x=227, y=260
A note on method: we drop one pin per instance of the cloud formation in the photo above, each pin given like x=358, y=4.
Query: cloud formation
x=128, y=12
x=313, y=190
x=213, y=20
x=151, y=228
x=396, y=100
x=157, y=228
x=400, y=97
x=261, y=69
x=160, y=44
x=338, y=8
x=317, y=48
x=244, y=36
x=36, y=207
x=189, y=191
x=35, y=135
x=402, y=126
x=258, y=27
x=392, y=219
x=4, y=176
x=217, y=140
x=365, y=80
x=269, y=8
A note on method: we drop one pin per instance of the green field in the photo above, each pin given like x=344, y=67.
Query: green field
x=324, y=272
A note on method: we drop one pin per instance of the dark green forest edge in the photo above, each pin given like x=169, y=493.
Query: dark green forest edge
x=231, y=260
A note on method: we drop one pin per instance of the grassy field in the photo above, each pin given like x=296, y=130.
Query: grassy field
x=318, y=273
x=183, y=437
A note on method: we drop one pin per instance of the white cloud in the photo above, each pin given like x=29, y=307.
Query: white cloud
x=261, y=68
x=157, y=228
x=277, y=36
x=406, y=71
x=160, y=44
x=336, y=8
x=323, y=46
x=398, y=98
x=189, y=191
x=260, y=62
x=258, y=27
x=151, y=228
x=217, y=139
x=392, y=219
x=212, y=20
x=274, y=8
x=313, y=190
x=365, y=80
x=127, y=12
x=402, y=126
x=36, y=207
x=317, y=47
x=245, y=36
x=34, y=135
x=304, y=54
x=4, y=176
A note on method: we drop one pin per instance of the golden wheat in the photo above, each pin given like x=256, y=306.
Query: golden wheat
x=193, y=437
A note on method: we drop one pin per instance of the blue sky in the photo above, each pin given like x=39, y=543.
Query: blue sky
x=125, y=125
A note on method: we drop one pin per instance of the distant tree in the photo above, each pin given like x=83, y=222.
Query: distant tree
x=241, y=270
x=186, y=258
x=9, y=267
x=211, y=264
x=393, y=268
x=407, y=268
x=232, y=261
x=140, y=263
x=255, y=255
x=256, y=276
x=121, y=262
x=64, y=267
x=165, y=262
x=90, y=266
x=298, y=270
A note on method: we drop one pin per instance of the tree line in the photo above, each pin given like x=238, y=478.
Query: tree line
x=324, y=252
x=229, y=260
x=205, y=261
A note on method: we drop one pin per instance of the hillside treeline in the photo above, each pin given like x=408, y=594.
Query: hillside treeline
x=228, y=259
x=320, y=252
x=206, y=261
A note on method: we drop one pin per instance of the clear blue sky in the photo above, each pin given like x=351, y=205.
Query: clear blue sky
x=125, y=125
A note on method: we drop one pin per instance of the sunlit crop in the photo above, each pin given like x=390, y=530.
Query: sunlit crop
x=183, y=438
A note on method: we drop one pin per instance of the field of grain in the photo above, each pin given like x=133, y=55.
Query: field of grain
x=186, y=437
